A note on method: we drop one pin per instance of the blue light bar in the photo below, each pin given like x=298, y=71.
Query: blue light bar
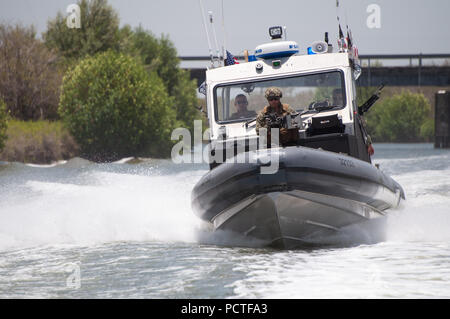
x=310, y=51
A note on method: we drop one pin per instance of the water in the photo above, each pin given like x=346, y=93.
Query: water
x=85, y=230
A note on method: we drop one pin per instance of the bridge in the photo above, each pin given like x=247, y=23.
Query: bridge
x=415, y=72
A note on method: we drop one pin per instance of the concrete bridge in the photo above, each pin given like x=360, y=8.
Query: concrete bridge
x=414, y=73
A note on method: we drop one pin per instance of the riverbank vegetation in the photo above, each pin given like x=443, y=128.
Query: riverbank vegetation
x=29, y=76
x=3, y=124
x=114, y=109
x=127, y=110
x=401, y=115
x=40, y=142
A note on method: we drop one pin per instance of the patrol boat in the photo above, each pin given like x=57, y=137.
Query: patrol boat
x=309, y=189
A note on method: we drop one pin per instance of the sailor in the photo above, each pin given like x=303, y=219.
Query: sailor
x=241, y=103
x=275, y=107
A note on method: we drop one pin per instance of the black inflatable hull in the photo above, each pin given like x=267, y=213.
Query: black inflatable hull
x=313, y=195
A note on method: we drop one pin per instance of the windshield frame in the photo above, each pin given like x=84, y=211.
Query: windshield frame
x=271, y=78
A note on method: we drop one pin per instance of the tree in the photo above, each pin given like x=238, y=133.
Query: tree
x=29, y=76
x=3, y=124
x=115, y=109
x=160, y=56
x=186, y=101
x=99, y=31
x=427, y=130
x=403, y=117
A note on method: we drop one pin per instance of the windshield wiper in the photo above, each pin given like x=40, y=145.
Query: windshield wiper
x=249, y=121
x=319, y=109
x=324, y=108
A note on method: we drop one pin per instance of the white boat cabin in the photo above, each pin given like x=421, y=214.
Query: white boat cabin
x=317, y=86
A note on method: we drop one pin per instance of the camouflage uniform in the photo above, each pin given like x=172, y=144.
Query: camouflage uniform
x=285, y=109
x=260, y=119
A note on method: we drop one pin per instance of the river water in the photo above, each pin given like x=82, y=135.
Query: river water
x=85, y=230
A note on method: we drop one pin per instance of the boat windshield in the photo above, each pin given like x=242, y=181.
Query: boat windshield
x=316, y=92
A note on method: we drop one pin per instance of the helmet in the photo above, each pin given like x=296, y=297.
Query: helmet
x=273, y=92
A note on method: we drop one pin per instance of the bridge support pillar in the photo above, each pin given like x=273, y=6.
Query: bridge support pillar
x=442, y=120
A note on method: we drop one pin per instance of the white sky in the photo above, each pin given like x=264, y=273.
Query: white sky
x=407, y=26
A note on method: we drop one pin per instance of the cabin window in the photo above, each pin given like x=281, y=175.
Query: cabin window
x=242, y=101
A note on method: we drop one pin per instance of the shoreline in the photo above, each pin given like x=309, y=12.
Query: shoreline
x=138, y=159
x=49, y=142
x=39, y=142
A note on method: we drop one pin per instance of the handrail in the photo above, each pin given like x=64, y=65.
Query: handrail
x=362, y=57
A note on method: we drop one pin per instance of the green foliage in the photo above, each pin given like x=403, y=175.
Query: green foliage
x=29, y=76
x=323, y=93
x=160, y=56
x=404, y=117
x=427, y=130
x=3, y=124
x=364, y=93
x=99, y=31
x=114, y=108
x=185, y=100
x=41, y=142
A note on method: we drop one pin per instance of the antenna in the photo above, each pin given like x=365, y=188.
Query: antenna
x=327, y=41
x=337, y=10
x=224, y=34
x=342, y=43
x=206, y=30
x=214, y=33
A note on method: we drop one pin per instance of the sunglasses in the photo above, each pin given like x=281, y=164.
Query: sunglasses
x=241, y=102
x=273, y=98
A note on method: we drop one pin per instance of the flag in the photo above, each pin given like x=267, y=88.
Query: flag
x=341, y=41
x=355, y=52
x=349, y=39
x=202, y=88
x=341, y=34
x=231, y=59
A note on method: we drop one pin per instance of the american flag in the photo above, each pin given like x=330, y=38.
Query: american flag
x=342, y=41
x=231, y=59
x=202, y=88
